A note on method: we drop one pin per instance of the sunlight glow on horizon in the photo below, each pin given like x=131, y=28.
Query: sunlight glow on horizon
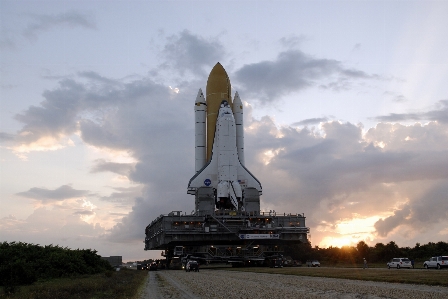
x=349, y=232
x=336, y=242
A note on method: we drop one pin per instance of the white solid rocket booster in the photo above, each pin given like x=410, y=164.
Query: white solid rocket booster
x=199, y=130
x=238, y=114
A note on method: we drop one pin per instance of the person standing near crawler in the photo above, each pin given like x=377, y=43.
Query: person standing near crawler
x=365, y=264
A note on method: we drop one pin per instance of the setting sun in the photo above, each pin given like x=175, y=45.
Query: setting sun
x=336, y=242
x=347, y=232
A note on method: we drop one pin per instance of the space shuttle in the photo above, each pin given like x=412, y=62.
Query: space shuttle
x=221, y=181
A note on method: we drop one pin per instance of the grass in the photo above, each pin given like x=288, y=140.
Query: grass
x=420, y=276
x=121, y=284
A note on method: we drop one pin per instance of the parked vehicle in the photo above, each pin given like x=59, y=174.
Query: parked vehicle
x=437, y=262
x=276, y=263
x=192, y=266
x=313, y=263
x=292, y=263
x=400, y=262
x=153, y=266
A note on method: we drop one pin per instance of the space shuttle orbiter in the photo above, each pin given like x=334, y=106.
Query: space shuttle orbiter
x=221, y=180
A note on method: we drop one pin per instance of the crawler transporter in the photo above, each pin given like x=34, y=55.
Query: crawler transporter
x=227, y=224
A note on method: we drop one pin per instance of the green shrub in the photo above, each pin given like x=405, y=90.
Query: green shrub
x=23, y=263
x=109, y=273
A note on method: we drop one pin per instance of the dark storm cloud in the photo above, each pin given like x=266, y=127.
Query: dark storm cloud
x=101, y=135
x=146, y=209
x=160, y=134
x=46, y=22
x=87, y=104
x=431, y=207
x=122, y=197
x=384, y=226
x=339, y=171
x=55, y=116
x=117, y=197
x=158, y=131
x=345, y=163
x=59, y=194
x=439, y=114
x=293, y=71
x=187, y=52
x=421, y=214
x=148, y=120
x=131, y=227
x=156, y=126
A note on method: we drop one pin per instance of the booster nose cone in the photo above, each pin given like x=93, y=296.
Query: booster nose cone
x=218, y=89
x=237, y=101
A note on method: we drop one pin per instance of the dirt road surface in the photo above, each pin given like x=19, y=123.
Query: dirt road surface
x=210, y=283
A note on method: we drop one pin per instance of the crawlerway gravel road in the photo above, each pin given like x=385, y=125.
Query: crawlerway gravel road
x=230, y=284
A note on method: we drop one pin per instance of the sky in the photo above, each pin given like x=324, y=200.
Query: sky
x=345, y=115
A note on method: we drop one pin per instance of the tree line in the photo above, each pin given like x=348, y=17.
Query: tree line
x=377, y=254
x=24, y=263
